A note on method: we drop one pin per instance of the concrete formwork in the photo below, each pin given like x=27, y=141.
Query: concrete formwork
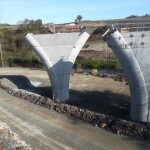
x=58, y=53
x=133, y=50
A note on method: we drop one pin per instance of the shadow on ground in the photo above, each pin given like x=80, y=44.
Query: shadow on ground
x=20, y=81
x=106, y=102
x=24, y=83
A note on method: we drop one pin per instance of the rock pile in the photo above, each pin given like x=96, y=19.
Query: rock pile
x=8, y=83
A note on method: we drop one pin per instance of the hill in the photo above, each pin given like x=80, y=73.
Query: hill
x=7, y=26
x=17, y=52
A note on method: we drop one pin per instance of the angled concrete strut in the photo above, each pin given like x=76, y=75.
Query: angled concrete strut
x=136, y=70
x=58, y=53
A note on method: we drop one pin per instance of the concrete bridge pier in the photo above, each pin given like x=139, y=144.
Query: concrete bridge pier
x=136, y=70
x=58, y=53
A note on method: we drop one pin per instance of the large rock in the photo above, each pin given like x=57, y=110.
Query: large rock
x=8, y=83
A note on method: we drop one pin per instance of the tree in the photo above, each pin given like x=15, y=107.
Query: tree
x=38, y=23
x=26, y=21
x=100, y=30
x=76, y=21
x=147, y=15
x=79, y=17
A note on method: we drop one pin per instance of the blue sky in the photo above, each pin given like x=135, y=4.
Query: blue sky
x=61, y=11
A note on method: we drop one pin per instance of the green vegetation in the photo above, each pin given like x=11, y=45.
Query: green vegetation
x=78, y=19
x=15, y=49
x=7, y=26
x=86, y=46
x=97, y=64
x=28, y=58
x=100, y=30
x=16, y=52
x=135, y=16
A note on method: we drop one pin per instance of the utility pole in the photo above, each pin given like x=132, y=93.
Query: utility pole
x=1, y=55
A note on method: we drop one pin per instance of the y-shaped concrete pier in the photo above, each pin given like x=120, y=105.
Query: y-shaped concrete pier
x=133, y=51
x=58, y=53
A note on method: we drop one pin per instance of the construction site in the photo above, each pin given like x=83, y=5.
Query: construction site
x=54, y=107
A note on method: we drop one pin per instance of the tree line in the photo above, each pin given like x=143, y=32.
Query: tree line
x=136, y=16
x=12, y=41
x=16, y=50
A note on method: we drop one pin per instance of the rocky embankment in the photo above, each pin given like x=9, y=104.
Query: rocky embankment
x=113, y=124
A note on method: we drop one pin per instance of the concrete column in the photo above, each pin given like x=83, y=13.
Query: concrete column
x=58, y=53
x=139, y=92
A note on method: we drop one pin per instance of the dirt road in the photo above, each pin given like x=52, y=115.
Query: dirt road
x=45, y=129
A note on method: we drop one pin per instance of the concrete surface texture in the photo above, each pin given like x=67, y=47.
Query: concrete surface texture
x=58, y=53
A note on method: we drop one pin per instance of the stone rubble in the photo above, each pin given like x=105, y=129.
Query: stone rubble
x=8, y=83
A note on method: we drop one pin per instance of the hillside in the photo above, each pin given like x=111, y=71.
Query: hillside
x=17, y=52
x=9, y=27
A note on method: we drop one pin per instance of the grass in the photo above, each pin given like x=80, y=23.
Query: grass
x=97, y=64
x=10, y=27
x=18, y=59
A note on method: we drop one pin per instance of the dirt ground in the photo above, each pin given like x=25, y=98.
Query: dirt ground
x=45, y=129
x=102, y=95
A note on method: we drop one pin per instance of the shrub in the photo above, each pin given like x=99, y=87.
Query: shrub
x=97, y=64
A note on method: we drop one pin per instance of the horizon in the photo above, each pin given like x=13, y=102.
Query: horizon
x=50, y=11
